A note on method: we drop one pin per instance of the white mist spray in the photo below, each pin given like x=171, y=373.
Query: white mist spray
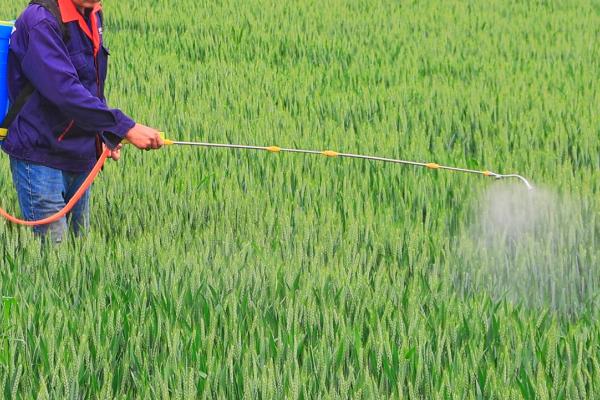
x=531, y=247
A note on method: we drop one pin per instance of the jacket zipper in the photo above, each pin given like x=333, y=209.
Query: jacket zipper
x=67, y=129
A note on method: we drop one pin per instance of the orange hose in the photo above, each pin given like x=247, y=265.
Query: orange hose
x=76, y=197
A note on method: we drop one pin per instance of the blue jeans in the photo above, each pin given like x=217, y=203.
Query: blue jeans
x=44, y=191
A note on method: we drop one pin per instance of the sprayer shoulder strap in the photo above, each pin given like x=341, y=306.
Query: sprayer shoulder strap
x=27, y=91
x=52, y=7
x=16, y=107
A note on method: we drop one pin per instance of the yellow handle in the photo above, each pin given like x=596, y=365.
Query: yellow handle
x=3, y=134
x=168, y=142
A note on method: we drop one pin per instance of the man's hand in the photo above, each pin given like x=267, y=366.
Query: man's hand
x=116, y=153
x=144, y=138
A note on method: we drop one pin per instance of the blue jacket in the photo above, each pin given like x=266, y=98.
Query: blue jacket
x=65, y=120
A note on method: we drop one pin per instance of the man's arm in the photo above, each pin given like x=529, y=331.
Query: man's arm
x=48, y=67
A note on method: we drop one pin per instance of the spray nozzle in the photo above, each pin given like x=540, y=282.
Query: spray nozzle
x=522, y=179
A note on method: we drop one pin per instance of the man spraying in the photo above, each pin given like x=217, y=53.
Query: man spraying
x=60, y=120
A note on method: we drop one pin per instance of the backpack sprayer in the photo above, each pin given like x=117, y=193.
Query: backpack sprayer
x=6, y=29
x=5, y=33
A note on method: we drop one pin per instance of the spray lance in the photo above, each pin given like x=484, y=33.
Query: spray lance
x=334, y=154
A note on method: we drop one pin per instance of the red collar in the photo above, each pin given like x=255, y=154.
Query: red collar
x=69, y=13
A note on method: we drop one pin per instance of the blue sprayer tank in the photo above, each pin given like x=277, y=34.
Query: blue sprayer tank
x=6, y=29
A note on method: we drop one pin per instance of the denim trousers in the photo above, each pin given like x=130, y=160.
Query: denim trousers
x=44, y=191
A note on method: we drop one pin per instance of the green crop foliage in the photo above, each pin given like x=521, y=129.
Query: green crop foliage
x=226, y=274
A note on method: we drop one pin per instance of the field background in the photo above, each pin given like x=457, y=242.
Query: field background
x=220, y=274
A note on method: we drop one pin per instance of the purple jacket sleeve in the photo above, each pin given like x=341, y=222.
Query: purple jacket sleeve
x=48, y=66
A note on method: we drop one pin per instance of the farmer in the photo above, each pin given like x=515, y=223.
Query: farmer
x=57, y=69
